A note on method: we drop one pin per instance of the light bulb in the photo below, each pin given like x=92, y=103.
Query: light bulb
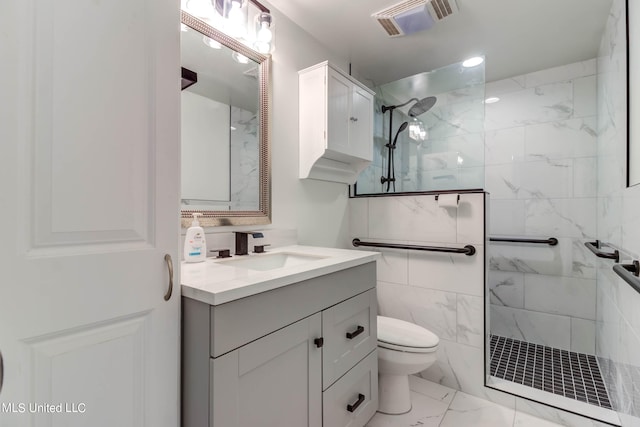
x=199, y=8
x=264, y=33
x=235, y=20
x=262, y=47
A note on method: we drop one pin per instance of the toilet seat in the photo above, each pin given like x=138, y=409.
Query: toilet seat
x=398, y=335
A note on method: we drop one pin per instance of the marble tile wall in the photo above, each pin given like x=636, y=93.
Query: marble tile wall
x=618, y=318
x=540, y=156
x=441, y=292
x=245, y=166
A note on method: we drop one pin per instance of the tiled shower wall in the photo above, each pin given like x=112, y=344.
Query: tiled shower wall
x=541, y=175
x=245, y=165
x=441, y=292
x=618, y=314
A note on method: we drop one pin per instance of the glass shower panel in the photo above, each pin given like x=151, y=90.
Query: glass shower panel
x=441, y=148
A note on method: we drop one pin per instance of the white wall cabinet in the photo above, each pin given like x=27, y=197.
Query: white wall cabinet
x=260, y=360
x=336, y=124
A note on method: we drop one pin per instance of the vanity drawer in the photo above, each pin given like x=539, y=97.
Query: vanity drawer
x=239, y=322
x=350, y=333
x=353, y=399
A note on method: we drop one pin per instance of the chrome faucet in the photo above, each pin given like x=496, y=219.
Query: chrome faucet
x=242, y=241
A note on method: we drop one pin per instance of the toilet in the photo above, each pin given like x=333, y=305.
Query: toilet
x=403, y=349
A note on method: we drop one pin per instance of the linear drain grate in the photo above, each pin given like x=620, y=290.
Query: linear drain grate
x=569, y=374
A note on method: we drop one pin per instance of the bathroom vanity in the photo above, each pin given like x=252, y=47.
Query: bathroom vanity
x=285, y=338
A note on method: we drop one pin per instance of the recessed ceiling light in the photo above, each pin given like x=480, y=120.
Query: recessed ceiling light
x=491, y=100
x=472, y=62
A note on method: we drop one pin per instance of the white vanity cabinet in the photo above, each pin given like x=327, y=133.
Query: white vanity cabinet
x=298, y=355
x=336, y=124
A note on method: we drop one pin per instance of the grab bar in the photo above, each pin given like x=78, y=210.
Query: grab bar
x=467, y=250
x=595, y=248
x=629, y=273
x=551, y=241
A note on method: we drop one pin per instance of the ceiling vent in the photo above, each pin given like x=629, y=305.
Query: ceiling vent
x=412, y=16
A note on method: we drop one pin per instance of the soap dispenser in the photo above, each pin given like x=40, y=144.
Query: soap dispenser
x=195, y=243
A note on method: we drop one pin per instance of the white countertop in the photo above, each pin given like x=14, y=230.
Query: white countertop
x=215, y=283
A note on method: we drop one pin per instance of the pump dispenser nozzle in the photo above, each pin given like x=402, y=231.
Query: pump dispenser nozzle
x=195, y=222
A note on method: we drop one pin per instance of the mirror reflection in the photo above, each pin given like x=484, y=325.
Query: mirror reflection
x=220, y=141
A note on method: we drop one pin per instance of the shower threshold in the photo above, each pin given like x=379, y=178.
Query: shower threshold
x=566, y=373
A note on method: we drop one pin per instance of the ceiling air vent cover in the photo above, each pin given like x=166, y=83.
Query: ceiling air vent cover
x=412, y=16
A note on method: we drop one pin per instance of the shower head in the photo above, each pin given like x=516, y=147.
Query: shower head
x=402, y=127
x=422, y=106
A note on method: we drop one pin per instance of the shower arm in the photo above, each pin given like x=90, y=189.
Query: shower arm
x=386, y=108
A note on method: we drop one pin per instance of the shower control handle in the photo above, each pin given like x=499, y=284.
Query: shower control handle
x=358, y=331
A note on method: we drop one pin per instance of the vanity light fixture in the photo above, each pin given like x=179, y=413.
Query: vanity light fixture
x=232, y=17
x=472, y=62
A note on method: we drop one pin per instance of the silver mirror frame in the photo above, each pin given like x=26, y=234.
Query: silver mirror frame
x=263, y=214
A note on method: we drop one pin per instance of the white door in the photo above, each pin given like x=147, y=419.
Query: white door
x=89, y=200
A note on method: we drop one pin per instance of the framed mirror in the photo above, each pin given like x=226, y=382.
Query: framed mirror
x=225, y=128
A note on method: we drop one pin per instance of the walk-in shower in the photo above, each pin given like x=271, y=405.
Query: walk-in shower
x=535, y=153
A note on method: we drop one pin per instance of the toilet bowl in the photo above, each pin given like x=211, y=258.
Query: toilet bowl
x=403, y=349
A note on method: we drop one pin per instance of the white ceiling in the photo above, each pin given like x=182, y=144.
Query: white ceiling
x=516, y=36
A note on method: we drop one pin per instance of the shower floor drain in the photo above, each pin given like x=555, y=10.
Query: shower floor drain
x=569, y=374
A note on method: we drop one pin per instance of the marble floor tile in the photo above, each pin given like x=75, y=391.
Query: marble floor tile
x=526, y=420
x=431, y=389
x=426, y=412
x=467, y=410
x=435, y=405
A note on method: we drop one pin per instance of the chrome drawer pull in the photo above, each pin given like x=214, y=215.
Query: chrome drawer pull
x=353, y=407
x=358, y=331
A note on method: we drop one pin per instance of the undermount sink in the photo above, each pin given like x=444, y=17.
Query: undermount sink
x=273, y=261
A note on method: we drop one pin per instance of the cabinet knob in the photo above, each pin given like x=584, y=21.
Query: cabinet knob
x=319, y=342
x=353, y=119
